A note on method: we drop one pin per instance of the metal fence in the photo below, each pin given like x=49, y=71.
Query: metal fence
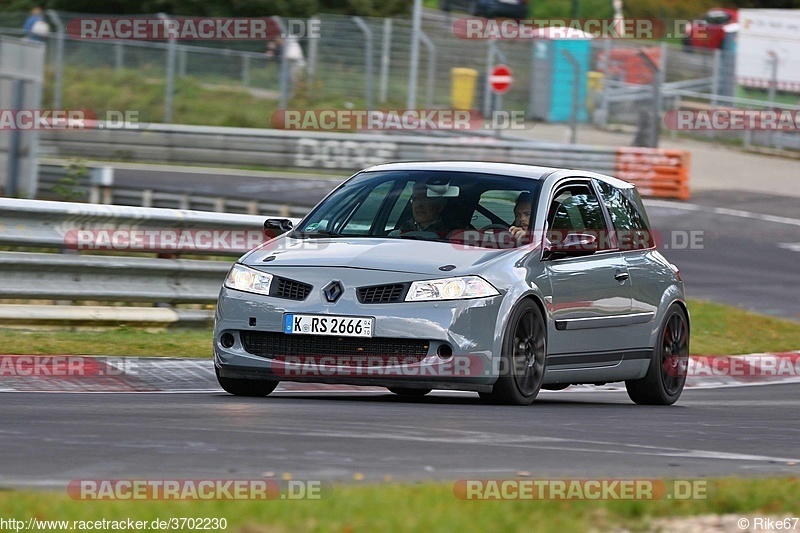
x=687, y=79
x=366, y=63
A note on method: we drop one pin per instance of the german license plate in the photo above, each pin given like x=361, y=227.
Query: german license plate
x=341, y=326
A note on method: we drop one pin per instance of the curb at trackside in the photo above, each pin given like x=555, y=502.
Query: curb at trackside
x=71, y=373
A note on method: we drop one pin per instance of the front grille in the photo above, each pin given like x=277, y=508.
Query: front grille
x=290, y=289
x=326, y=349
x=382, y=294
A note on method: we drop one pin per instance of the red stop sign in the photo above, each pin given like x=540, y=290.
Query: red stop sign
x=500, y=79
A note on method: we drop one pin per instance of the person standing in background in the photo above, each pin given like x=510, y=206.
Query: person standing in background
x=36, y=28
x=274, y=50
x=295, y=57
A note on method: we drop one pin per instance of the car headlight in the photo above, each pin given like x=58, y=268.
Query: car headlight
x=246, y=279
x=450, y=289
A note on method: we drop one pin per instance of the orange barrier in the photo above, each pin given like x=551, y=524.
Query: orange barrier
x=626, y=64
x=655, y=172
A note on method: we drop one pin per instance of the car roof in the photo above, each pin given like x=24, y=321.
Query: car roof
x=507, y=169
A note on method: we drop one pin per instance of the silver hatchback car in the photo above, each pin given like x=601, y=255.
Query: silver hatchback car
x=497, y=278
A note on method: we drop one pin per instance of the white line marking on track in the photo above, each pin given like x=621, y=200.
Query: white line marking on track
x=791, y=246
x=723, y=211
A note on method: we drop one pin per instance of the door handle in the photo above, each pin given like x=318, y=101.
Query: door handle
x=621, y=276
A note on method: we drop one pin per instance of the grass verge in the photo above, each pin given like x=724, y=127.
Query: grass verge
x=116, y=341
x=428, y=507
x=716, y=330
x=205, y=100
x=725, y=330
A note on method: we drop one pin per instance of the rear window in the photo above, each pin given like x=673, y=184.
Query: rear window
x=628, y=217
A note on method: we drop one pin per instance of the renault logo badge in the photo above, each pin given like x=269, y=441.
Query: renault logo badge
x=333, y=291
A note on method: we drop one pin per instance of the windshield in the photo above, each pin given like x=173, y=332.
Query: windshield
x=437, y=206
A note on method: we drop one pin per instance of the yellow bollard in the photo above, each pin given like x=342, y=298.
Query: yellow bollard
x=463, y=87
x=594, y=86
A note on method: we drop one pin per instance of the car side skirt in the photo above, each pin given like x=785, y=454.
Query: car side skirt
x=604, y=322
x=597, y=367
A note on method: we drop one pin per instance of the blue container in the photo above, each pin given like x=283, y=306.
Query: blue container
x=553, y=79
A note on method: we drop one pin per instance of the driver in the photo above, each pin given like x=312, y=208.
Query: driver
x=426, y=211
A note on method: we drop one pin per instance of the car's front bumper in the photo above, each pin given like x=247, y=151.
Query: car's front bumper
x=468, y=327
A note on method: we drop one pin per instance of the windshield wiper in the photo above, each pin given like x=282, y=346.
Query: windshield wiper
x=417, y=237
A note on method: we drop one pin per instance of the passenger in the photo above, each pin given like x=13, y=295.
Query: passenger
x=522, y=215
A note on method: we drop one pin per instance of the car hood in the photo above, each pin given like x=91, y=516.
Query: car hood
x=389, y=254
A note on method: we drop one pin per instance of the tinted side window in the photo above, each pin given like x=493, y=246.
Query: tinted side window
x=627, y=216
x=575, y=208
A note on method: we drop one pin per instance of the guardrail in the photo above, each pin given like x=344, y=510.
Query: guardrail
x=165, y=279
x=620, y=91
x=352, y=151
x=37, y=223
x=43, y=276
x=97, y=190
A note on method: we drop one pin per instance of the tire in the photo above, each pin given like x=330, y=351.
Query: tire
x=524, y=358
x=409, y=393
x=246, y=387
x=666, y=377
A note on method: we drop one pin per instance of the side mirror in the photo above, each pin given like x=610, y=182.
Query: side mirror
x=277, y=226
x=573, y=245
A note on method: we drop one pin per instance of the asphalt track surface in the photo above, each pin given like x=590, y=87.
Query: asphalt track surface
x=749, y=249
x=51, y=439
